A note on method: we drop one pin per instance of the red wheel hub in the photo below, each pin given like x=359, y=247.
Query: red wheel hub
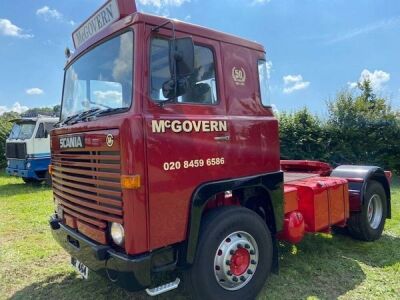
x=240, y=261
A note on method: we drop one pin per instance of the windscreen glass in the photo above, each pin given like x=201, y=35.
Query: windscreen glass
x=22, y=131
x=101, y=78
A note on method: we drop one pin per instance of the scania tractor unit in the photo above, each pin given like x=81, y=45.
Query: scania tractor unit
x=166, y=162
x=28, y=148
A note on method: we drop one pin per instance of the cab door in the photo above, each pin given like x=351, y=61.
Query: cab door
x=186, y=139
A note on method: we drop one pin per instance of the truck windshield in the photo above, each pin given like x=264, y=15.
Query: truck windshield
x=102, y=78
x=22, y=131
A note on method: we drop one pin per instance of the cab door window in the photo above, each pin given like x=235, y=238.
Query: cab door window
x=40, y=131
x=202, y=88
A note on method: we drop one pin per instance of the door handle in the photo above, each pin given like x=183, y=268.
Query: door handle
x=225, y=138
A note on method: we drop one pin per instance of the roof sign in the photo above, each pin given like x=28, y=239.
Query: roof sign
x=106, y=15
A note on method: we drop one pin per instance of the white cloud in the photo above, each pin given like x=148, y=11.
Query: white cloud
x=48, y=13
x=378, y=78
x=17, y=107
x=294, y=83
x=108, y=96
x=364, y=30
x=161, y=3
x=10, y=29
x=255, y=2
x=34, y=91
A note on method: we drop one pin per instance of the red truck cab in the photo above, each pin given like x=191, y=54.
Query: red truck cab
x=167, y=159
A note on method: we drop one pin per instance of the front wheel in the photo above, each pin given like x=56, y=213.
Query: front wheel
x=234, y=256
x=30, y=180
x=368, y=224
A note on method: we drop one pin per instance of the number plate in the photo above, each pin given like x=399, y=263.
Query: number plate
x=80, y=267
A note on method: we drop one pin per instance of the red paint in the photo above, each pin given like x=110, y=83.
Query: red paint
x=293, y=228
x=389, y=176
x=323, y=201
x=240, y=261
x=306, y=166
x=291, y=199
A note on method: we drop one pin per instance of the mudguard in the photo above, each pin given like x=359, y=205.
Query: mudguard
x=272, y=183
x=359, y=176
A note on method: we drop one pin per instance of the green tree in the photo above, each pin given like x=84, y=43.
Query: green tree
x=5, y=127
x=363, y=129
x=302, y=136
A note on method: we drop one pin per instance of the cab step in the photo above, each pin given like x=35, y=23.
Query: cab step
x=163, y=288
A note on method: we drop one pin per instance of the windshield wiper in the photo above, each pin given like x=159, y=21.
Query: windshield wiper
x=76, y=116
x=84, y=115
x=110, y=110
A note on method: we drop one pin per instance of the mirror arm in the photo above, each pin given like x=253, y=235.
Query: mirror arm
x=156, y=29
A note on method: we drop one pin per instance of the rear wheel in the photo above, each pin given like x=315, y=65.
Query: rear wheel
x=368, y=224
x=234, y=256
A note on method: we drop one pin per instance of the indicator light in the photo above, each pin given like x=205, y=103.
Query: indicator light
x=130, y=182
x=50, y=169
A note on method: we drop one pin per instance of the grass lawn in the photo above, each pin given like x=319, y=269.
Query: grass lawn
x=323, y=266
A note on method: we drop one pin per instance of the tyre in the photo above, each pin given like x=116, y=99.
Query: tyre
x=30, y=180
x=48, y=180
x=233, y=258
x=368, y=224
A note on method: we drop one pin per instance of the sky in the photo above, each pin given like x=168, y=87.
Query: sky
x=315, y=48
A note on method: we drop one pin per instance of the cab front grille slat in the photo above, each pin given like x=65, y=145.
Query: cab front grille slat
x=87, y=186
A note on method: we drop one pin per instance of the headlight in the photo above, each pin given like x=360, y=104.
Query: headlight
x=8, y=163
x=28, y=165
x=117, y=233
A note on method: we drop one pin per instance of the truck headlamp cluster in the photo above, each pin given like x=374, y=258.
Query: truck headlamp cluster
x=117, y=233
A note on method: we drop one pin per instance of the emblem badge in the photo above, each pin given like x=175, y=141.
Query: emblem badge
x=110, y=140
x=239, y=75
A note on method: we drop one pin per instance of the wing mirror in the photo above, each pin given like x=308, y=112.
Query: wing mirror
x=181, y=65
x=181, y=51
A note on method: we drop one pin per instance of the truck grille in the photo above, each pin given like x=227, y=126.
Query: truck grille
x=87, y=186
x=16, y=150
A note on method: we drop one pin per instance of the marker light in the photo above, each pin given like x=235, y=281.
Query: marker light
x=117, y=233
x=50, y=169
x=130, y=182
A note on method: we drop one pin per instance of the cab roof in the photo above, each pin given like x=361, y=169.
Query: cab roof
x=35, y=119
x=180, y=26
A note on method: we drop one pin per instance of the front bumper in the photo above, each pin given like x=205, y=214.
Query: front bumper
x=132, y=273
x=38, y=167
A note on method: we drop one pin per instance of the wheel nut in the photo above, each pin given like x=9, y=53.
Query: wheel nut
x=229, y=273
x=228, y=262
x=247, y=246
x=249, y=272
x=235, y=279
x=239, y=246
x=231, y=252
x=252, y=252
x=253, y=262
x=242, y=278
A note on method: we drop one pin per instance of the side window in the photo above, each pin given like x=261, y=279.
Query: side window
x=263, y=77
x=202, y=88
x=40, y=131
